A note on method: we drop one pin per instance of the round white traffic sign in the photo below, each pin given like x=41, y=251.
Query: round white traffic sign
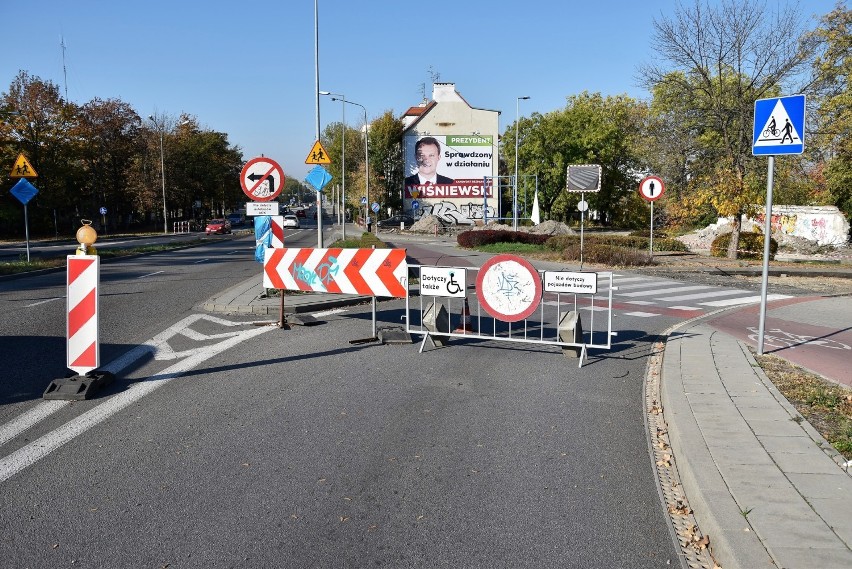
x=262, y=179
x=651, y=188
x=582, y=205
x=508, y=288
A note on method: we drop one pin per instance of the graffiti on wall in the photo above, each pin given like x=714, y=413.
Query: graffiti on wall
x=825, y=225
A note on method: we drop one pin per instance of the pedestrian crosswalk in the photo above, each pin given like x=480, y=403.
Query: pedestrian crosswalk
x=647, y=297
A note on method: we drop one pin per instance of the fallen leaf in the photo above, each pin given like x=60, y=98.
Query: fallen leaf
x=344, y=519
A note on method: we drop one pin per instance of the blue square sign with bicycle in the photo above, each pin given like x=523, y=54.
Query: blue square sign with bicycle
x=779, y=126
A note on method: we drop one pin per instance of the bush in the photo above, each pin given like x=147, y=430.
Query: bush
x=560, y=242
x=608, y=255
x=750, y=246
x=471, y=239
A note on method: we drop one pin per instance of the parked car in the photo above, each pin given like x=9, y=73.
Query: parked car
x=218, y=226
x=291, y=220
x=394, y=222
x=301, y=213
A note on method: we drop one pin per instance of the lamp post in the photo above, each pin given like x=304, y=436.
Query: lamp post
x=162, y=175
x=366, y=156
x=515, y=185
x=342, y=152
x=161, y=128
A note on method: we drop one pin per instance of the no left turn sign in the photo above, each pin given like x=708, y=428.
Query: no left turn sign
x=262, y=179
x=651, y=188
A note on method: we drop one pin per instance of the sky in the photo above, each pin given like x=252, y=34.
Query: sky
x=249, y=69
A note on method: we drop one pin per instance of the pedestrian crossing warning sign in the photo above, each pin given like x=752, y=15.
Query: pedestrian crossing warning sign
x=317, y=155
x=779, y=125
x=23, y=168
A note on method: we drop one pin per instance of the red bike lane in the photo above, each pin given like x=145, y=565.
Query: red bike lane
x=823, y=349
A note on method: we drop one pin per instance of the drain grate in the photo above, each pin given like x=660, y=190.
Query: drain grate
x=694, y=546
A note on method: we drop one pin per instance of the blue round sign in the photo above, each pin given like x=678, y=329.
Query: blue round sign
x=375, y=207
x=415, y=204
x=103, y=211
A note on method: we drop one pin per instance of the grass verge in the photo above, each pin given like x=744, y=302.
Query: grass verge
x=825, y=405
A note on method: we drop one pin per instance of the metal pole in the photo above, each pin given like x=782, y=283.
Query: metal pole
x=651, y=246
x=767, y=237
x=515, y=188
x=27, y=231
x=317, y=95
x=163, y=176
x=582, y=215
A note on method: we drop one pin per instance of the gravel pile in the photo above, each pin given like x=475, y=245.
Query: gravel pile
x=426, y=224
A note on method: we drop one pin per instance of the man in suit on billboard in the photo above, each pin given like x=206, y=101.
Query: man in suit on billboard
x=427, y=152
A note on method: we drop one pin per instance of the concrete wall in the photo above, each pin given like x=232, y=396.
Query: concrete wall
x=825, y=225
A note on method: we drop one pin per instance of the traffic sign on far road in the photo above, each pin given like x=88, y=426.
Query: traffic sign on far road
x=779, y=126
x=262, y=179
x=651, y=188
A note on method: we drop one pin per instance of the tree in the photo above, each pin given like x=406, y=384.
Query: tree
x=41, y=129
x=832, y=68
x=591, y=129
x=386, y=161
x=724, y=56
x=107, y=134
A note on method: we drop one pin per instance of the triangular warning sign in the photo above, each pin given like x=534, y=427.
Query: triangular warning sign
x=778, y=129
x=317, y=155
x=23, y=168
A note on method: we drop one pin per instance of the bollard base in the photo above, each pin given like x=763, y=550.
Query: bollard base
x=571, y=330
x=78, y=387
x=394, y=335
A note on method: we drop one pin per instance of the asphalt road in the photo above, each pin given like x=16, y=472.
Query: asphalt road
x=228, y=444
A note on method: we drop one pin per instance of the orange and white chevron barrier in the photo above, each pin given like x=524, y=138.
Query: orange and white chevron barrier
x=369, y=272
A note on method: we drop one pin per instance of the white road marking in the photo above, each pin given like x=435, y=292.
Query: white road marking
x=640, y=302
x=663, y=290
x=44, y=301
x=151, y=274
x=29, y=454
x=744, y=300
x=200, y=261
x=641, y=314
x=707, y=295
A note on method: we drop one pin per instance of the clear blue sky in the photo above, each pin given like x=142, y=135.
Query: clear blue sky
x=247, y=68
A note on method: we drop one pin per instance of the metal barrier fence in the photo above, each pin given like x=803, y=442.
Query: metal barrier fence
x=182, y=227
x=559, y=320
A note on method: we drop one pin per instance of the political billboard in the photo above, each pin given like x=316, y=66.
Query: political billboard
x=448, y=166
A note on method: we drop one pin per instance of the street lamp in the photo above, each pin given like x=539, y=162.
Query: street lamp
x=163, y=168
x=342, y=152
x=162, y=176
x=366, y=155
x=515, y=188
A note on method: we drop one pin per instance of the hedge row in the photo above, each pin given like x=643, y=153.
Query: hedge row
x=470, y=239
x=561, y=242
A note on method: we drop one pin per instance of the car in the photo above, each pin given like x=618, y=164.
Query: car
x=218, y=226
x=395, y=221
x=291, y=220
x=236, y=219
x=301, y=213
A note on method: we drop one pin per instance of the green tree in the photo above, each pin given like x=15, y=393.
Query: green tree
x=386, y=161
x=39, y=124
x=832, y=94
x=591, y=129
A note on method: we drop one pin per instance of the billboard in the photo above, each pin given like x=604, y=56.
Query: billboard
x=448, y=167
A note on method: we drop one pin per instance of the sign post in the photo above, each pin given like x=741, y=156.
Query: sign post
x=772, y=138
x=651, y=189
x=583, y=178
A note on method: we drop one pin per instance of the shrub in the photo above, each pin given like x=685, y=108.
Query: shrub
x=560, y=242
x=608, y=255
x=471, y=239
x=750, y=246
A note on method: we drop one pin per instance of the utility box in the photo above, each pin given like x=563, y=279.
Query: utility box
x=571, y=330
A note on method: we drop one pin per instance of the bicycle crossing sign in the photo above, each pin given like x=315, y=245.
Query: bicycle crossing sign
x=779, y=126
